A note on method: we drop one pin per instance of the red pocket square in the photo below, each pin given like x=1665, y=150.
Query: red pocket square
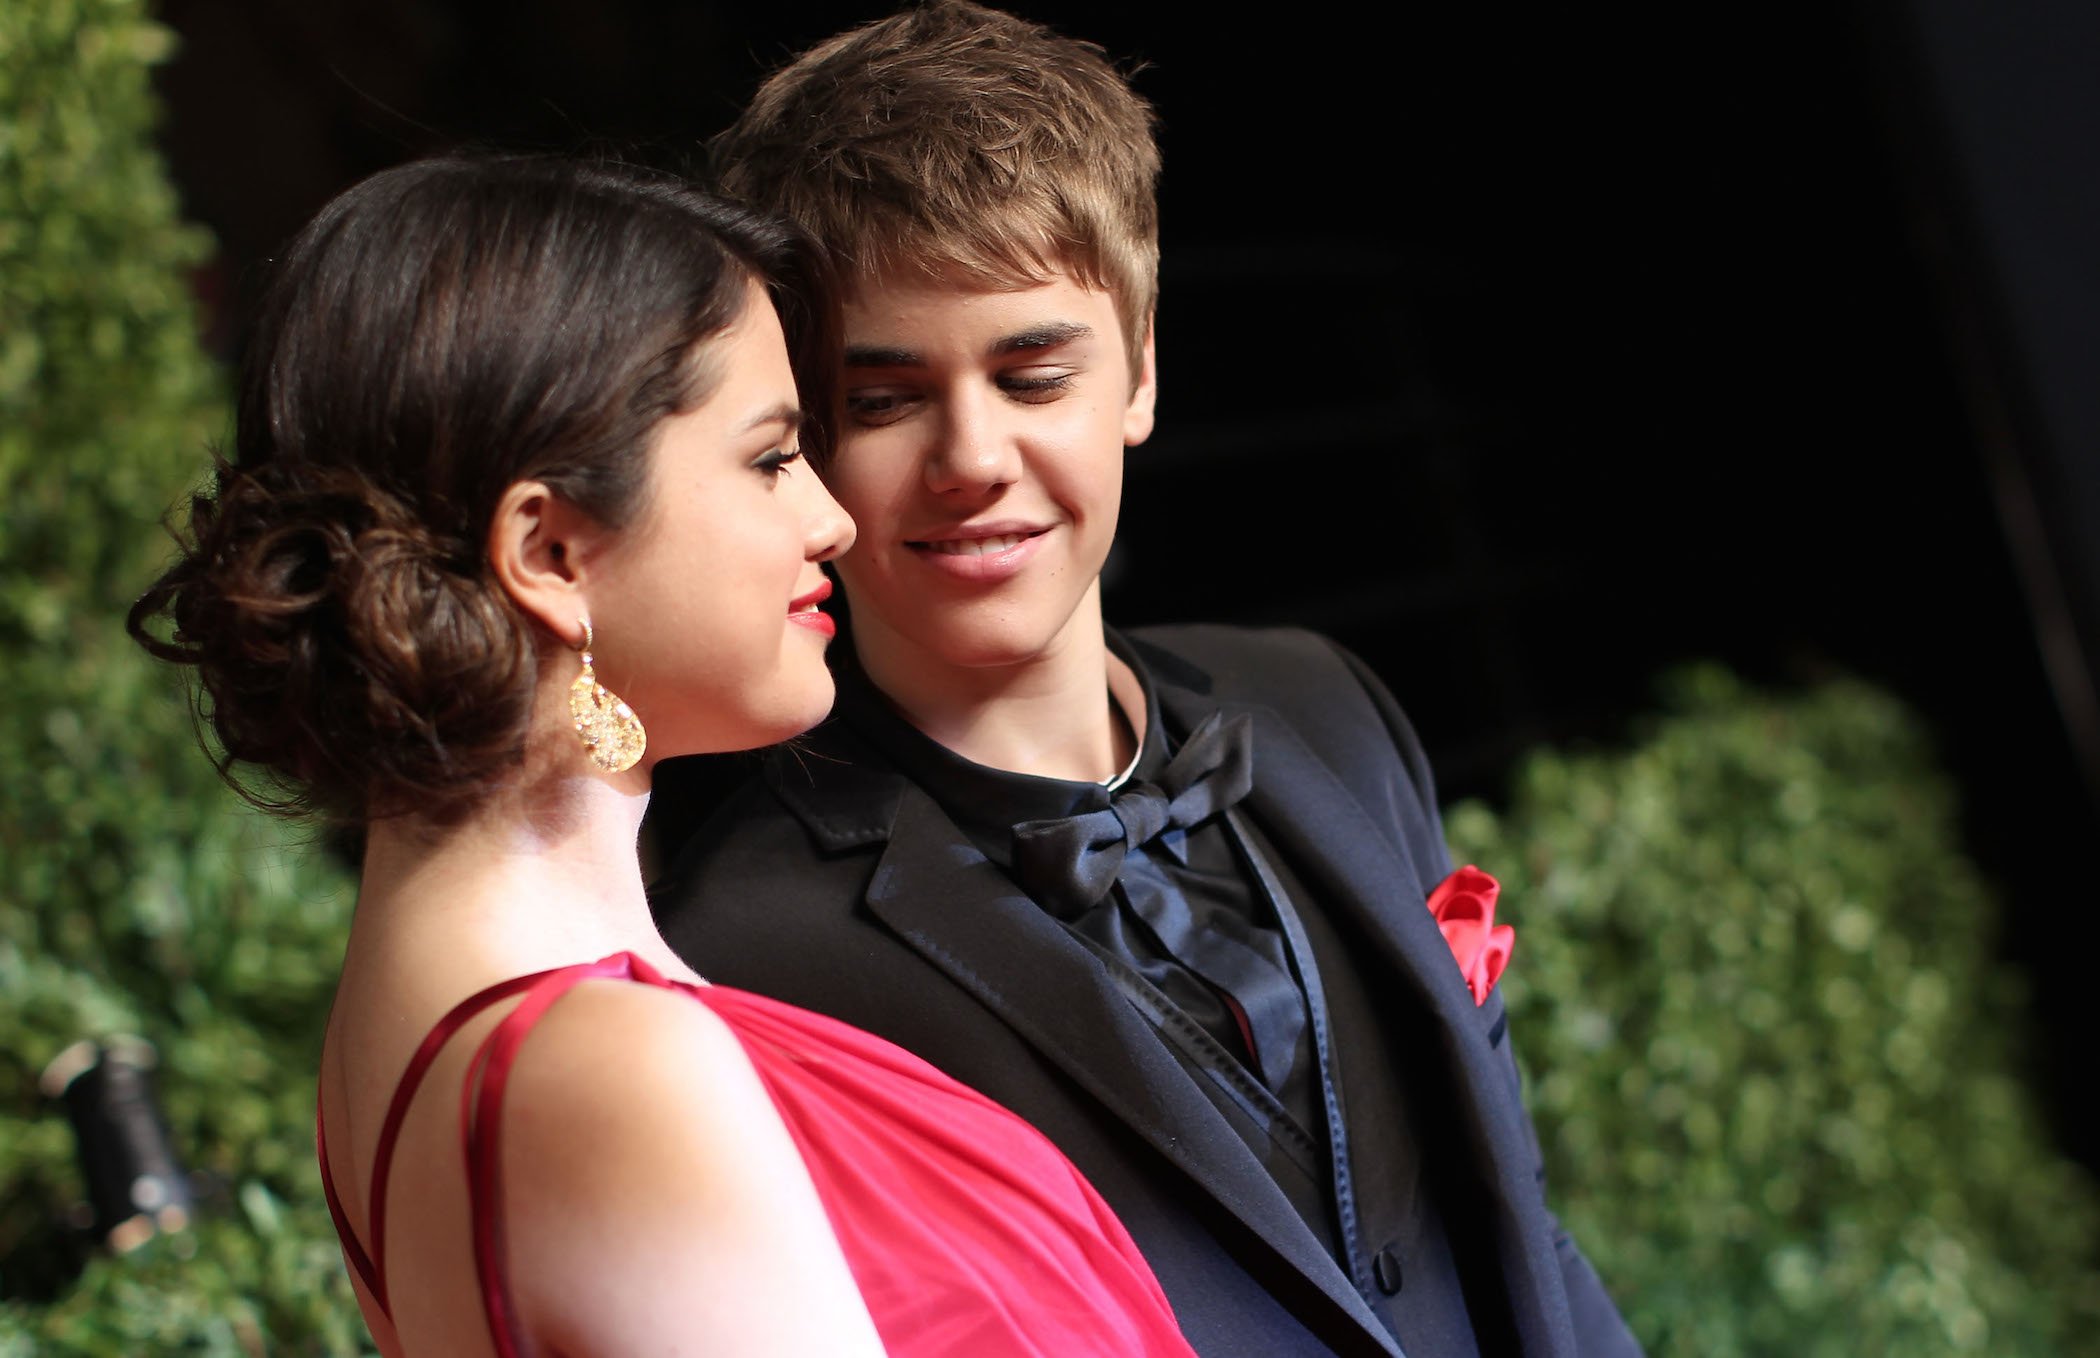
x=1464, y=906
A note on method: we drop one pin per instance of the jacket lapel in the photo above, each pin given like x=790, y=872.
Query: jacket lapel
x=959, y=911
x=1363, y=872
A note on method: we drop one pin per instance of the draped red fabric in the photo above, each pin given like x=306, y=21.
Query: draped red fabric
x=966, y=1230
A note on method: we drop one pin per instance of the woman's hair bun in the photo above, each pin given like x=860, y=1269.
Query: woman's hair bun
x=362, y=660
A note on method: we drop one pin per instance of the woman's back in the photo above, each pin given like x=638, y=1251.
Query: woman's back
x=665, y=1162
x=641, y=1194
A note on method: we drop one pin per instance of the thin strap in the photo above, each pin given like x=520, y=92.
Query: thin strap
x=352, y=1247
x=481, y=1121
x=371, y=1266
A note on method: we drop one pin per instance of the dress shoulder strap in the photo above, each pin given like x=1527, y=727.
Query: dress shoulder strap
x=481, y=1104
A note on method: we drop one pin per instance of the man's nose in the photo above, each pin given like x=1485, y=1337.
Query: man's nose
x=977, y=450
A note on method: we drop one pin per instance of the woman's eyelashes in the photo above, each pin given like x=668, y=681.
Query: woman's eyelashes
x=775, y=464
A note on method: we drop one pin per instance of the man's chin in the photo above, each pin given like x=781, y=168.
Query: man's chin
x=993, y=647
x=988, y=633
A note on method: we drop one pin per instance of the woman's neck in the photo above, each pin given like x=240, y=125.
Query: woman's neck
x=542, y=874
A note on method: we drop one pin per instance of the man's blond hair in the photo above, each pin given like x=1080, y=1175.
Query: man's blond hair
x=958, y=143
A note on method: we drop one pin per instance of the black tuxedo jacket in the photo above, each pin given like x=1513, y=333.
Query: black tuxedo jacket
x=833, y=883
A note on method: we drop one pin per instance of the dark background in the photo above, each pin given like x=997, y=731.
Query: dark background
x=1529, y=354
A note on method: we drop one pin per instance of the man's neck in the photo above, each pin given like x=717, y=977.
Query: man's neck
x=1050, y=715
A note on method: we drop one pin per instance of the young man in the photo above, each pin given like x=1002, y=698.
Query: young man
x=1164, y=894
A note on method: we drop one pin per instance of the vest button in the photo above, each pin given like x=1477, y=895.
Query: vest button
x=1386, y=1269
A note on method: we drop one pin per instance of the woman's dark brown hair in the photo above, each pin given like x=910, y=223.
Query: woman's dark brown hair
x=438, y=332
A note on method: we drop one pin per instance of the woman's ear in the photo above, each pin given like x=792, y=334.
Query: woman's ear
x=538, y=546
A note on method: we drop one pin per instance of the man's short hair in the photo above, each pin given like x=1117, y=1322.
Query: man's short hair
x=960, y=143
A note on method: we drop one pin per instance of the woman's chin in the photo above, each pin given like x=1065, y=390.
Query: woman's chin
x=809, y=715
x=777, y=723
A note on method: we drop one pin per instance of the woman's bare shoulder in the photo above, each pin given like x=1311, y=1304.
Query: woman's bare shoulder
x=651, y=1183
x=608, y=1047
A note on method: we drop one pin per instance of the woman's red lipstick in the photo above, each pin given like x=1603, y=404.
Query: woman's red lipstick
x=805, y=611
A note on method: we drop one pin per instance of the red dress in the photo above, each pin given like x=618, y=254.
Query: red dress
x=967, y=1232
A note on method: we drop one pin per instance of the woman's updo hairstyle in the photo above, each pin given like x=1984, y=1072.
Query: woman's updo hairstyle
x=439, y=332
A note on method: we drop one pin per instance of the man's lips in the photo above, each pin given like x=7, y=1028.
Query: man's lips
x=978, y=540
x=805, y=611
x=980, y=554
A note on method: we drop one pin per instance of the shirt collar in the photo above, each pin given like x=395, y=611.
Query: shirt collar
x=986, y=803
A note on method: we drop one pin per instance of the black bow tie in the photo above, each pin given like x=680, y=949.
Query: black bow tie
x=1070, y=862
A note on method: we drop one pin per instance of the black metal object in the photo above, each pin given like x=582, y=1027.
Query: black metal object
x=136, y=1186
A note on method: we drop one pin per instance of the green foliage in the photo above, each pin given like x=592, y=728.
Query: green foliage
x=139, y=895
x=1770, y=1056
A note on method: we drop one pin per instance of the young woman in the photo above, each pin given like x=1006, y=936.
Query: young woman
x=519, y=505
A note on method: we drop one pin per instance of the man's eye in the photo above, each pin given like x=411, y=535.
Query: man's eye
x=877, y=407
x=1035, y=388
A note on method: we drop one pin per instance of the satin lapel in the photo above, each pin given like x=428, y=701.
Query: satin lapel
x=962, y=914
x=1362, y=869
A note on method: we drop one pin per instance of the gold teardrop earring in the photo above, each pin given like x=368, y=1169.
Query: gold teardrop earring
x=612, y=735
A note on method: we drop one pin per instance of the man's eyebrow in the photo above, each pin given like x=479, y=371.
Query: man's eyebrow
x=1046, y=336
x=877, y=356
x=786, y=414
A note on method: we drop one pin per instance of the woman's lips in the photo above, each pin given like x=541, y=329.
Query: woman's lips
x=805, y=611
x=980, y=558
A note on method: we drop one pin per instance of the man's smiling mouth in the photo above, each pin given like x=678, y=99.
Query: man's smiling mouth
x=975, y=546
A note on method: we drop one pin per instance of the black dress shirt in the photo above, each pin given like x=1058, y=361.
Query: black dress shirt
x=1284, y=1126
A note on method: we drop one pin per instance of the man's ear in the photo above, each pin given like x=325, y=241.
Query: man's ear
x=537, y=548
x=1137, y=417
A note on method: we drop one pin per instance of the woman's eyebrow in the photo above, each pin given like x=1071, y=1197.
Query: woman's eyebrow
x=786, y=414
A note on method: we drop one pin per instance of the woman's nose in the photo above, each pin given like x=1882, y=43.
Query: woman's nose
x=827, y=528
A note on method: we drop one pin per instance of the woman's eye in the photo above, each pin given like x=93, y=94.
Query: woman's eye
x=775, y=464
